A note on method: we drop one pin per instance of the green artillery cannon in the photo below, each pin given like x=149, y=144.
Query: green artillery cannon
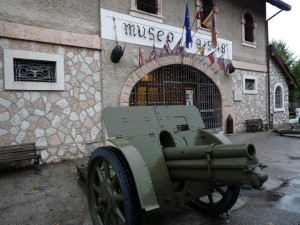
x=162, y=158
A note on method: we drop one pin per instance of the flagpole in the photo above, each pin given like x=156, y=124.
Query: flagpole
x=217, y=71
x=182, y=36
x=186, y=24
x=208, y=55
x=186, y=2
x=199, y=8
x=199, y=49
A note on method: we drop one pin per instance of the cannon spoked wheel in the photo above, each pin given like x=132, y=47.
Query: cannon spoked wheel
x=218, y=202
x=112, y=196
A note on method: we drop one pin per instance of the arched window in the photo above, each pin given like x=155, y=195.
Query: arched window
x=248, y=28
x=278, y=98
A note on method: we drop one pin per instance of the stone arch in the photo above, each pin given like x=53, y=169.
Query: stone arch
x=203, y=66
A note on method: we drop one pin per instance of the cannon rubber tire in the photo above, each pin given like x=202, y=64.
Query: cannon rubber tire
x=229, y=198
x=112, y=196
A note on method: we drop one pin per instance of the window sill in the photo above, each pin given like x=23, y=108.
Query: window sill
x=247, y=92
x=145, y=15
x=249, y=44
x=279, y=110
x=205, y=31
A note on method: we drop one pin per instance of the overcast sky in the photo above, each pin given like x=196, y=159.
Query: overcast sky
x=285, y=26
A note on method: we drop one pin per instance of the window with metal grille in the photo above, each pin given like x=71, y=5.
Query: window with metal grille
x=207, y=6
x=278, y=97
x=249, y=28
x=250, y=84
x=169, y=85
x=34, y=70
x=148, y=6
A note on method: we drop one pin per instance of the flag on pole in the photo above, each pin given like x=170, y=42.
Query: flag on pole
x=200, y=12
x=167, y=45
x=176, y=48
x=221, y=63
x=213, y=31
x=210, y=23
x=227, y=68
x=200, y=50
x=230, y=68
x=142, y=60
x=188, y=34
x=212, y=57
x=207, y=22
x=153, y=54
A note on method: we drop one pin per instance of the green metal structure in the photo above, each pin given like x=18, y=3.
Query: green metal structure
x=162, y=158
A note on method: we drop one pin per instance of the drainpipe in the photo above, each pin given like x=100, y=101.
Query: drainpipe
x=268, y=69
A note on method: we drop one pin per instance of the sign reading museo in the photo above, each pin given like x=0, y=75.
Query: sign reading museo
x=144, y=32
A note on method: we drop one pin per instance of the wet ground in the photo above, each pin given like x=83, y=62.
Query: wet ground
x=56, y=197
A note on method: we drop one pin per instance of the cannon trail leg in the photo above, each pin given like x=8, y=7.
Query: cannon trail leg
x=112, y=196
x=218, y=202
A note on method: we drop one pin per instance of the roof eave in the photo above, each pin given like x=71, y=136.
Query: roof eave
x=288, y=75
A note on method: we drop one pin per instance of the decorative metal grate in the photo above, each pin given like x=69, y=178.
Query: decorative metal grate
x=34, y=70
x=169, y=85
x=149, y=6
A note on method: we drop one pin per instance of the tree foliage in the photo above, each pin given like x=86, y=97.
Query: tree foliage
x=293, y=63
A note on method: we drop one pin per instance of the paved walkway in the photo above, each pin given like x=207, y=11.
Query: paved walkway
x=56, y=197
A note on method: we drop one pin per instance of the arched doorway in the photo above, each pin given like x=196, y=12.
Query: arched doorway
x=180, y=85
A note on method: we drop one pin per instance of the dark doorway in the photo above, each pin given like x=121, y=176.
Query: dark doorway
x=180, y=85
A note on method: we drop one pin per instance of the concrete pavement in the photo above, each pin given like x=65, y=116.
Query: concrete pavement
x=56, y=197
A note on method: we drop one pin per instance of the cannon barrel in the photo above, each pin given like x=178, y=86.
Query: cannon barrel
x=227, y=164
x=216, y=151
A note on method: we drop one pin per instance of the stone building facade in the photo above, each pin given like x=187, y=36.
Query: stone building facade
x=281, y=80
x=64, y=118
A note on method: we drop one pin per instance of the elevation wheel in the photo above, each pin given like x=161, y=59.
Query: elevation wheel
x=112, y=196
x=218, y=202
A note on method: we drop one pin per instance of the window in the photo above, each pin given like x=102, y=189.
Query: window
x=34, y=70
x=278, y=98
x=26, y=70
x=248, y=29
x=249, y=84
x=147, y=6
x=147, y=9
x=207, y=6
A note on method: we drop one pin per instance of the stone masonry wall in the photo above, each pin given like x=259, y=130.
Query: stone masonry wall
x=276, y=77
x=63, y=124
x=252, y=106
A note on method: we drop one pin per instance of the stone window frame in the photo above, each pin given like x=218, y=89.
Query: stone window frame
x=145, y=15
x=249, y=77
x=279, y=109
x=10, y=84
x=244, y=42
